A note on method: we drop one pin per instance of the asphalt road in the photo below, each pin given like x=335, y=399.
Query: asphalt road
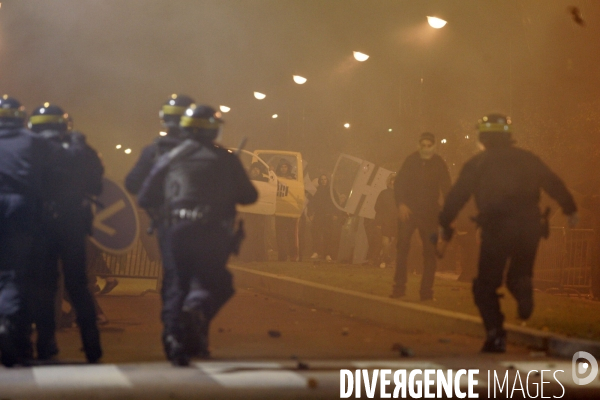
x=263, y=348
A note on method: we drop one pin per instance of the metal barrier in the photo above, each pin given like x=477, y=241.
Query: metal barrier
x=565, y=261
x=134, y=264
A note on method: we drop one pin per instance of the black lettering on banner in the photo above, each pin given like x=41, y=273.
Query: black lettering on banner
x=282, y=190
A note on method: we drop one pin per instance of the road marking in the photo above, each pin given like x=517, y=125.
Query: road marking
x=107, y=213
x=80, y=376
x=252, y=375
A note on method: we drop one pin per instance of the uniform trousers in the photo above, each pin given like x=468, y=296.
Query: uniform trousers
x=195, y=275
x=65, y=240
x=509, y=241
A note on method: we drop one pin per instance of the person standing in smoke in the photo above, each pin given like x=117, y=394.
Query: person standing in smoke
x=420, y=182
x=506, y=182
x=286, y=227
x=323, y=214
x=67, y=221
x=199, y=183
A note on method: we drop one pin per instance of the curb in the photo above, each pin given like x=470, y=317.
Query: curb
x=400, y=314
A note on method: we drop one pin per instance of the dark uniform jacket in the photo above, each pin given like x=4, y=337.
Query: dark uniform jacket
x=77, y=169
x=139, y=172
x=420, y=182
x=506, y=184
x=211, y=176
x=206, y=176
x=23, y=164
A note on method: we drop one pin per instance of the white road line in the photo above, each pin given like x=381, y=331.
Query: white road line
x=252, y=375
x=82, y=376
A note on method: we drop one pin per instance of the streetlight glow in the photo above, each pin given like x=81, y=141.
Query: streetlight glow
x=162, y=133
x=275, y=116
x=443, y=141
x=127, y=151
x=360, y=56
x=118, y=146
x=389, y=130
x=435, y=22
x=300, y=80
x=259, y=95
x=346, y=125
x=224, y=108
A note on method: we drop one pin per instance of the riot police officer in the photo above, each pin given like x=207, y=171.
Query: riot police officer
x=23, y=183
x=170, y=115
x=505, y=182
x=199, y=183
x=77, y=177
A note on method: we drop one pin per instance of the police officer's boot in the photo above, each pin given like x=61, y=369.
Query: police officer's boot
x=9, y=355
x=46, y=350
x=175, y=351
x=195, y=328
x=495, y=341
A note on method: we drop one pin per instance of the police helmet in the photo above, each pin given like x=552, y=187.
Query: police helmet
x=12, y=113
x=48, y=117
x=172, y=110
x=201, y=122
x=494, y=128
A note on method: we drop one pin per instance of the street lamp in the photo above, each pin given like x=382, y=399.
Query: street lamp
x=360, y=56
x=435, y=22
x=275, y=116
x=300, y=80
x=259, y=95
x=224, y=108
x=127, y=151
x=118, y=146
x=346, y=125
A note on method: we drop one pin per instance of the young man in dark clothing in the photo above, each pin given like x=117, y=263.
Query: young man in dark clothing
x=420, y=182
x=505, y=182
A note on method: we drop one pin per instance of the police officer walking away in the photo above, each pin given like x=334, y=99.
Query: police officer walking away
x=199, y=184
x=419, y=183
x=170, y=115
x=23, y=166
x=505, y=182
x=67, y=221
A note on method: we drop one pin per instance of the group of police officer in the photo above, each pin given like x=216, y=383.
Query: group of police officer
x=190, y=186
x=48, y=177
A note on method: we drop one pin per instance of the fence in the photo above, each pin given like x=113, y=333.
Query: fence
x=565, y=261
x=136, y=263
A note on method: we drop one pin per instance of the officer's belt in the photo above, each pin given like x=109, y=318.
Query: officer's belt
x=198, y=213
